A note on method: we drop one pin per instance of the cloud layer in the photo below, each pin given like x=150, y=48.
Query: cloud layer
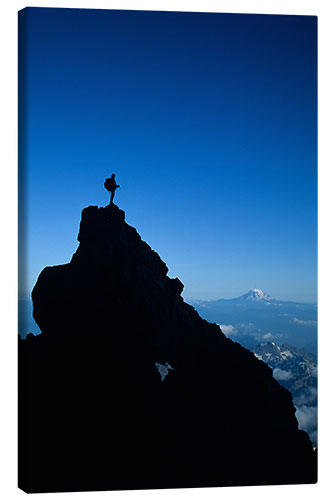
x=228, y=330
x=303, y=322
x=307, y=419
x=283, y=375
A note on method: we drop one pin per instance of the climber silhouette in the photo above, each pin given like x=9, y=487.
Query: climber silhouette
x=111, y=185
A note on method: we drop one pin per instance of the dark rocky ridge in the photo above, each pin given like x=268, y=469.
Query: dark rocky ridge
x=94, y=413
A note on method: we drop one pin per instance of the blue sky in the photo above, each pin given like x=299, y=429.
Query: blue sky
x=209, y=122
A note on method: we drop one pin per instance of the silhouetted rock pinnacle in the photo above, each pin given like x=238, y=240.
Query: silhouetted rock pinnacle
x=127, y=387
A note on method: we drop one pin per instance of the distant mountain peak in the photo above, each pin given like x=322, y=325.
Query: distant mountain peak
x=256, y=294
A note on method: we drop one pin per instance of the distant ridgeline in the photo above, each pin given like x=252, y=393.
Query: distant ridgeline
x=128, y=387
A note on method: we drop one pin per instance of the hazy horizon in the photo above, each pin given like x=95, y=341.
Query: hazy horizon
x=222, y=295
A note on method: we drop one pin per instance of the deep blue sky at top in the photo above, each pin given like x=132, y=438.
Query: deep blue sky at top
x=209, y=122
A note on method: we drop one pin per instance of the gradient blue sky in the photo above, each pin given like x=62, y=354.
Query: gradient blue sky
x=209, y=122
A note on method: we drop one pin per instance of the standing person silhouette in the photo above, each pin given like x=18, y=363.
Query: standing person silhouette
x=111, y=185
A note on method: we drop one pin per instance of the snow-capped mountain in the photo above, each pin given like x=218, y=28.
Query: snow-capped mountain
x=256, y=294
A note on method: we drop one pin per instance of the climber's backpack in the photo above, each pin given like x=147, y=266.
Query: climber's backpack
x=108, y=184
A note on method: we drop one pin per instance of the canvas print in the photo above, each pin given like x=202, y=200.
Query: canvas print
x=167, y=250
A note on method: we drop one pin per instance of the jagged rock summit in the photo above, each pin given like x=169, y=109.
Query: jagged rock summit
x=114, y=278
x=96, y=412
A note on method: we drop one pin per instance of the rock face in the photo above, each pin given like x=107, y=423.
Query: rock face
x=128, y=387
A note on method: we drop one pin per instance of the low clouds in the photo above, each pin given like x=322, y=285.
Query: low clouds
x=228, y=330
x=248, y=328
x=307, y=397
x=307, y=412
x=272, y=336
x=282, y=375
x=306, y=415
x=303, y=322
x=307, y=419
